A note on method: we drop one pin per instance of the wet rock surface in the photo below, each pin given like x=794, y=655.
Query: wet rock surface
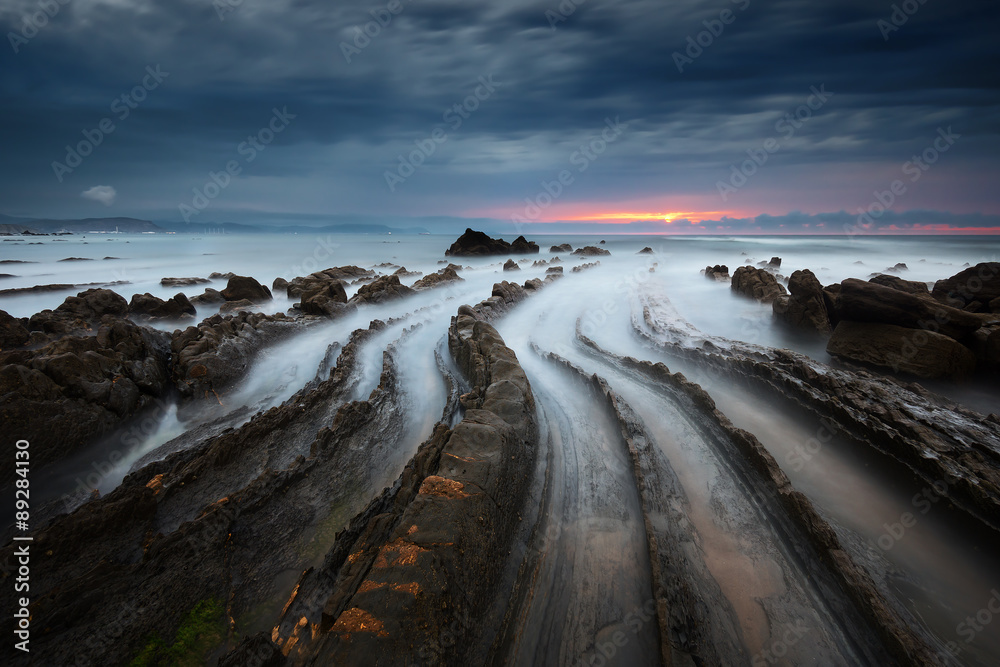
x=147, y=306
x=89, y=369
x=245, y=288
x=902, y=350
x=591, y=251
x=448, y=274
x=207, y=358
x=805, y=307
x=757, y=284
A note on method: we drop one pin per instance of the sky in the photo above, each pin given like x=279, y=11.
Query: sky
x=720, y=116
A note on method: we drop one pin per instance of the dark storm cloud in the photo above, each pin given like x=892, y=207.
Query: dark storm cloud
x=559, y=84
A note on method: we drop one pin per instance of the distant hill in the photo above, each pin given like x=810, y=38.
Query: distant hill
x=124, y=225
x=237, y=228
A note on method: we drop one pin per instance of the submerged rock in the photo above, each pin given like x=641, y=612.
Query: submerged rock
x=645, y=251
x=563, y=247
x=182, y=282
x=902, y=350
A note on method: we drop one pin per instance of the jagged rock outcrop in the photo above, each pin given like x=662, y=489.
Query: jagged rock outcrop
x=902, y=350
x=297, y=286
x=523, y=246
x=473, y=243
x=91, y=370
x=511, y=265
x=382, y=289
x=245, y=287
x=147, y=306
x=208, y=297
x=13, y=331
x=805, y=307
x=327, y=298
x=562, y=247
x=757, y=284
x=718, y=272
x=209, y=357
x=591, y=251
x=446, y=275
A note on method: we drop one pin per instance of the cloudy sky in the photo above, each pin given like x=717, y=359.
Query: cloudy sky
x=789, y=115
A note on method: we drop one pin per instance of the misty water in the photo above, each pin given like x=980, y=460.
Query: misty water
x=595, y=568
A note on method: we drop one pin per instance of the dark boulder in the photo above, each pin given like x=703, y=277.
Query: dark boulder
x=445, y=275
x=554, y=270
x=522, y=246
x=717, y=272
x=895, y=282
x=511, y=265
x=473, y=243
x=385, y=288
x=564, y=247
x=13, y=333
x=805, y=307
x=209, y=296
x=902, y=350
x=775, y=262
x=152, y=307
x=79, y=312
x=757, y=284
x=83, y=379
x=645, y=251
x=182, y=282
x=245, y=287
x=978, y=283
x=590, y=251
x=861, y=301
x=279, y=284
x=324, y=298
x=238, y=306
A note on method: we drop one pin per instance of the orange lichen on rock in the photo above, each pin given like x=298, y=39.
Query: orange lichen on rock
x=398, y=552
x=358, y=620
x=156, y=483
x=441, y=486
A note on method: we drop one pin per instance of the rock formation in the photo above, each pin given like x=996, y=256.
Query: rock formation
x=757, y=284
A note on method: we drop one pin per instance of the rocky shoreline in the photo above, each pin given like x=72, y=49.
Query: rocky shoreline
x=321, y=531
